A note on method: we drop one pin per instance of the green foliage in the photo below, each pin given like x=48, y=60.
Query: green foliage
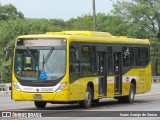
x=143, y=18
x=9, y=12
x=12, y=28
x=83, y=22
x=140, y=15
x=104, y=23
x=136, y=18
x=112, y=24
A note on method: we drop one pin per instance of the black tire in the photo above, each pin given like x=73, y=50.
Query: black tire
x=121, y=99
x=88, y=99
x=95, y=101
x=130, y=98
x=40, y=104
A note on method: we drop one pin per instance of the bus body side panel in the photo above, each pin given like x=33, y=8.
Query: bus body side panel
x=148, y=82
x=142, y=76
x=133, y=74
x=78, y=88
x=75, y=91
x=95, y=81
x=110, y=86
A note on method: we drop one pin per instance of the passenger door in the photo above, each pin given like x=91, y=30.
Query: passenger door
x=101, y=59
x=118, y=72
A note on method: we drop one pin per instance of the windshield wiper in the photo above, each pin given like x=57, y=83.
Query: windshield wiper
x=45, y=59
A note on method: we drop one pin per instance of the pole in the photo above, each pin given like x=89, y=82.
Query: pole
x=94, y=15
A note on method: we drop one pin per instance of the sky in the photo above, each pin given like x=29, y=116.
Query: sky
x=60, y=9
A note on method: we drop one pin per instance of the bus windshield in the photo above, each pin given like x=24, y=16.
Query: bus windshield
x=39, y=63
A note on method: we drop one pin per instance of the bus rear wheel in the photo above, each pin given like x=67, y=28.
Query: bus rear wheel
x=130, y=97
x=40, y=104
x=88, y=99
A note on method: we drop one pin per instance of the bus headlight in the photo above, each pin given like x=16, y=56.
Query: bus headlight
x=16, y=86
x=61, y=87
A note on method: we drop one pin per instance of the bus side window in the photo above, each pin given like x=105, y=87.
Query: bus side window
x=110, y=60
x=144, y=56
x=137, y=56
x=86, y=60
x=127, y=56
x=74, y=64
x=74, y=60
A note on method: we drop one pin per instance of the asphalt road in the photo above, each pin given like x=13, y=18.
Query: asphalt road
x=149, y=102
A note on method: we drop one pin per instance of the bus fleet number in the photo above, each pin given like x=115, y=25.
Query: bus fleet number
x=46, y=89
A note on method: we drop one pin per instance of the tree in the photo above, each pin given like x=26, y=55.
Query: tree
x=105, y=23
x=9, y=12
x=111, y=23
x=83, y=22
x=143, y=17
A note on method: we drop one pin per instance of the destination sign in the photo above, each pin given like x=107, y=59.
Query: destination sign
x=41, y=42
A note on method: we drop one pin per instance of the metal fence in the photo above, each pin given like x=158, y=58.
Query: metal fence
x=155, y=79
x=5, y=88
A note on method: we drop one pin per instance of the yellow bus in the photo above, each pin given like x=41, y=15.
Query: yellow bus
x=79, y=67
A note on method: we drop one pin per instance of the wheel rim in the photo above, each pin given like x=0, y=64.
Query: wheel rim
x=88, y=98
x=132, y=94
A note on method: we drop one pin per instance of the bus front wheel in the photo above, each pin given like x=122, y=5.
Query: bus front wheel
x=40, y=104
x=88, y=99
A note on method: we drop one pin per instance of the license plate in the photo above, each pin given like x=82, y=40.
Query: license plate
x=37, y=96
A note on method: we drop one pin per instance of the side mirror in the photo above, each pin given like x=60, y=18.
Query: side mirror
x=7, y=54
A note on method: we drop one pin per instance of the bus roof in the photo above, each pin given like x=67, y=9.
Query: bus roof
x=83, y=33
x=84, y=37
